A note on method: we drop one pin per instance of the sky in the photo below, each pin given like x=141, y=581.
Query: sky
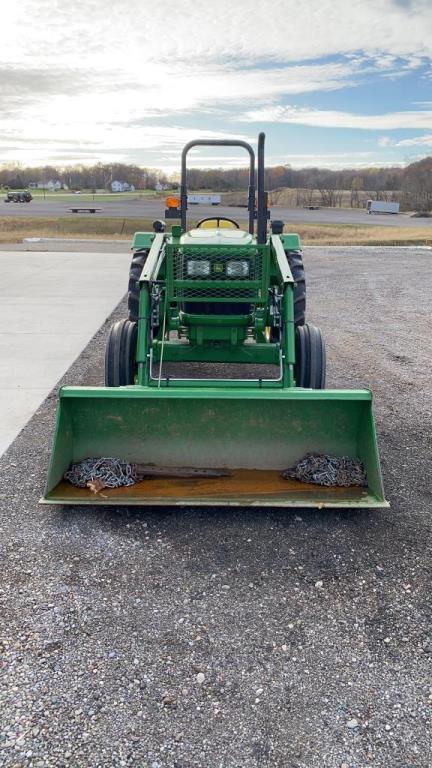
x=334, y=83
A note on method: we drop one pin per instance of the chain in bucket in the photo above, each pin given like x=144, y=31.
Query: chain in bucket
x=112, y=473
x=323, y=469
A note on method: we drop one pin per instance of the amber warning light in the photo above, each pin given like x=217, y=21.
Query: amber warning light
x=172, y=202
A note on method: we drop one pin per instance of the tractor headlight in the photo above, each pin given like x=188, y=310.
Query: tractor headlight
x=198, y=268
x=237, y=268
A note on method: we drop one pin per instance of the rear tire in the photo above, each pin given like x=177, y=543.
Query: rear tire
x=120, y=365
x=136, y=267
x=310, y=368
x=295, y=261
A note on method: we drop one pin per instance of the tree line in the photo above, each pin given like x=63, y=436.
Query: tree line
x=97, y=176
x=411, y=185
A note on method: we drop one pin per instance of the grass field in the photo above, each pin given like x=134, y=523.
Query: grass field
x=14, y=229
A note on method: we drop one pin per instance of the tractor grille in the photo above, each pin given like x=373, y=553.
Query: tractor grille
x=214, y=273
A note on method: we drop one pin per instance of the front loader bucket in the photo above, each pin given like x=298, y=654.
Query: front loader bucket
x=253, y=433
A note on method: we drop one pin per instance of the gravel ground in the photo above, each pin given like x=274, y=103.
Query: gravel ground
x=174, y=638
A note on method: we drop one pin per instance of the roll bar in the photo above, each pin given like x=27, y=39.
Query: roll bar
x=251, y=189
x=262, y=214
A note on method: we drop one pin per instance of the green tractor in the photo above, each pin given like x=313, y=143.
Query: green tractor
x=210, y=299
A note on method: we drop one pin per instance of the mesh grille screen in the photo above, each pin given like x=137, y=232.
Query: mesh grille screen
x=204, y=274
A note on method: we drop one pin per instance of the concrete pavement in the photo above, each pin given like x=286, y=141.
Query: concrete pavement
x=51, y=304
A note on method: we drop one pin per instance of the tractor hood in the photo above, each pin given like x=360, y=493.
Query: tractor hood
x=217, y=236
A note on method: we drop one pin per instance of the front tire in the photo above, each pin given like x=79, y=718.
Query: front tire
x=120, y=353
x=310, y=367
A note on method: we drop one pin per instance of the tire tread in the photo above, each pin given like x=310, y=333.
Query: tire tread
x=136, y=267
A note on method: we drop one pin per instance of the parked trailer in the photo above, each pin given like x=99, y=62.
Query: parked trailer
x=204, y=199
x=379, y=206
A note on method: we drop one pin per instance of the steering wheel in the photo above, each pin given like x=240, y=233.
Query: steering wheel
x=217, y=219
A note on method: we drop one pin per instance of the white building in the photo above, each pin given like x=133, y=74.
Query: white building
x=51, y=185
x=122, y=186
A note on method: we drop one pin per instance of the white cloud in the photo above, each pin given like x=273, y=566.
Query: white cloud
x=333, y=160
x=385, y=141
x=334, y=119
x=418, y=141
x=107, y=75
x=184, y=88
x=152, y=145
x=138, y=31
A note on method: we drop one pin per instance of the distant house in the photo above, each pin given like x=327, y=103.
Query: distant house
x=122, y=186
x=51, y=185
x=159, y=187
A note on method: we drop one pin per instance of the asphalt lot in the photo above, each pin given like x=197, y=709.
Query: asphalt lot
x=311, y=630
x=155, y=208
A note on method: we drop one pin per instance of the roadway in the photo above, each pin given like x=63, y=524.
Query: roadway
x=148, y=208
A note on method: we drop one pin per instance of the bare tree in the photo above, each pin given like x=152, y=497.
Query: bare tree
x=417, y=185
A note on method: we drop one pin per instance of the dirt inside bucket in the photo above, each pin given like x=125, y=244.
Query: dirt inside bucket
x=242, y=486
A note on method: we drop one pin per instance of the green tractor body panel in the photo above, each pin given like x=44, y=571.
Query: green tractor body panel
x=214, y=297
x=142, y=240
x=291, y=242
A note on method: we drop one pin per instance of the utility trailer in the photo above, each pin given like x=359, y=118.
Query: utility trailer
x=381, y=206
x=204, y=199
